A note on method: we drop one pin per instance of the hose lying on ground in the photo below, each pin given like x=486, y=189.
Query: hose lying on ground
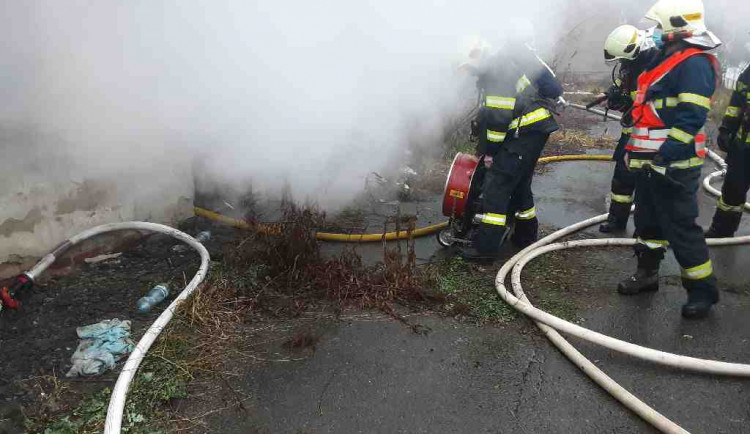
x=549, y=324
x=545, y=321
x=719, y=173
x=119, y=393
x=323, y=236
x=369, y=238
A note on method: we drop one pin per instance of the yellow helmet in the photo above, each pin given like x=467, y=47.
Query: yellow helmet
x=679, y=16
x=624, y=43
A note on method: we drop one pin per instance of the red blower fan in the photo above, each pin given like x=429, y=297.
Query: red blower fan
x=460, y=198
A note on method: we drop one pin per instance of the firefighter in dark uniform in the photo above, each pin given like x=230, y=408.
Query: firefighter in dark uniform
x=735, y=141
x=633, y=49
x=514, y=123
x=667, y=149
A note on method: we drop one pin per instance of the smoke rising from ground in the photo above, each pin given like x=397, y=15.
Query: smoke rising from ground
x=316, y=94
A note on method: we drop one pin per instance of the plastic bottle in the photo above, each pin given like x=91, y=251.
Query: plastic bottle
x=203, y=236
x=157, y=294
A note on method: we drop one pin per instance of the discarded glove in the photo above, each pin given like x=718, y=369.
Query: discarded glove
x=102, y=345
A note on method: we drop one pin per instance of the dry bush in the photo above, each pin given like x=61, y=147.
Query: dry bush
x=283, y=273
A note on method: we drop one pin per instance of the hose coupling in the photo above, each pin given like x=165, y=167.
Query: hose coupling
x=8, y=294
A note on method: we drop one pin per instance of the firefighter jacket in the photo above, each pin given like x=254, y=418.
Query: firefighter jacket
x=516, y=92
x=671, y=107
x=737, y=118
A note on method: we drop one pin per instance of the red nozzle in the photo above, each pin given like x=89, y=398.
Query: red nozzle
x=7, y=300
x=7, y=295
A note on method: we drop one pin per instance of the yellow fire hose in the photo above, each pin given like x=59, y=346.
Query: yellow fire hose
x=369, y=238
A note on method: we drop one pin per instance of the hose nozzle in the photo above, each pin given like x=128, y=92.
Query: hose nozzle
x=7, y=295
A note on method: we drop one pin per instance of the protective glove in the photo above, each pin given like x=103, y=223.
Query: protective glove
x=616, y=100
x=724, y=140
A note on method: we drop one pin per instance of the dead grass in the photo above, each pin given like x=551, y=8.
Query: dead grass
x=573, y=139
x=282, y=274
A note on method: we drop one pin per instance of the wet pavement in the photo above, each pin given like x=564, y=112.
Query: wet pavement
x=377, y=212
x=378, y=376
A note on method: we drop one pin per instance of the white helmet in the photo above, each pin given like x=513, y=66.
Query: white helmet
x=679, y=16
x=624, y=43
x=474, y=50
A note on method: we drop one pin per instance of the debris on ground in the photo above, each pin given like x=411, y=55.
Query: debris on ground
x=41, y=336
x=380, y=187
x=102, y=258
x=201, y=238
x=157, y=294
x=102, y=345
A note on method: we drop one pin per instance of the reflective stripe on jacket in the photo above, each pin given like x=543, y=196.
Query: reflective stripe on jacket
x=653, y=100
x=512, y=90
x=737, y=116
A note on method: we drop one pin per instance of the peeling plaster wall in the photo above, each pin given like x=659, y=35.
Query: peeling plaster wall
x=40, y=208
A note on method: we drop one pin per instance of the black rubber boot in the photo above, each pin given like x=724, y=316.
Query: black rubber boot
x=702, y=295
x=612, y=226
x=485, y=247
x=618, y=218
x=525, y=233
x=646, y=277
x=472, y=254
x=724, y=224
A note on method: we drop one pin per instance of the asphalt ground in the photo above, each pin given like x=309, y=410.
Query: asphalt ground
x=376, y=375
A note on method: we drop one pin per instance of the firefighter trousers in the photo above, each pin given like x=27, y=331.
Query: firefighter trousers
x=730, y=205
x=666, y=207
x=623, y=186
x=507, y=193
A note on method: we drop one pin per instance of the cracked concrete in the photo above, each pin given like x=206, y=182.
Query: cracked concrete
x=87, y=197
x=11, y=225
x=378, y=376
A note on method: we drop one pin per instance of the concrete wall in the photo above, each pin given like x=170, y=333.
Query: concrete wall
x=47, y=197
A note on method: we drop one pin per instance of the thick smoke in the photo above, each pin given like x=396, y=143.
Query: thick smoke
x=313, y=94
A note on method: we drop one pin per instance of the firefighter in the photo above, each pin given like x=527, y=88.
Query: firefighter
x=632, y=49
x=666, y=150
x=514, y=122
x=735, y=141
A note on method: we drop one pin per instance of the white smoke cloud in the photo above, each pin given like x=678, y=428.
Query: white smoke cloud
x=314, y=93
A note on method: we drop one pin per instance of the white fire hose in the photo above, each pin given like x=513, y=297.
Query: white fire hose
x=707, y=181
x=119, y=393
x=550, y=324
